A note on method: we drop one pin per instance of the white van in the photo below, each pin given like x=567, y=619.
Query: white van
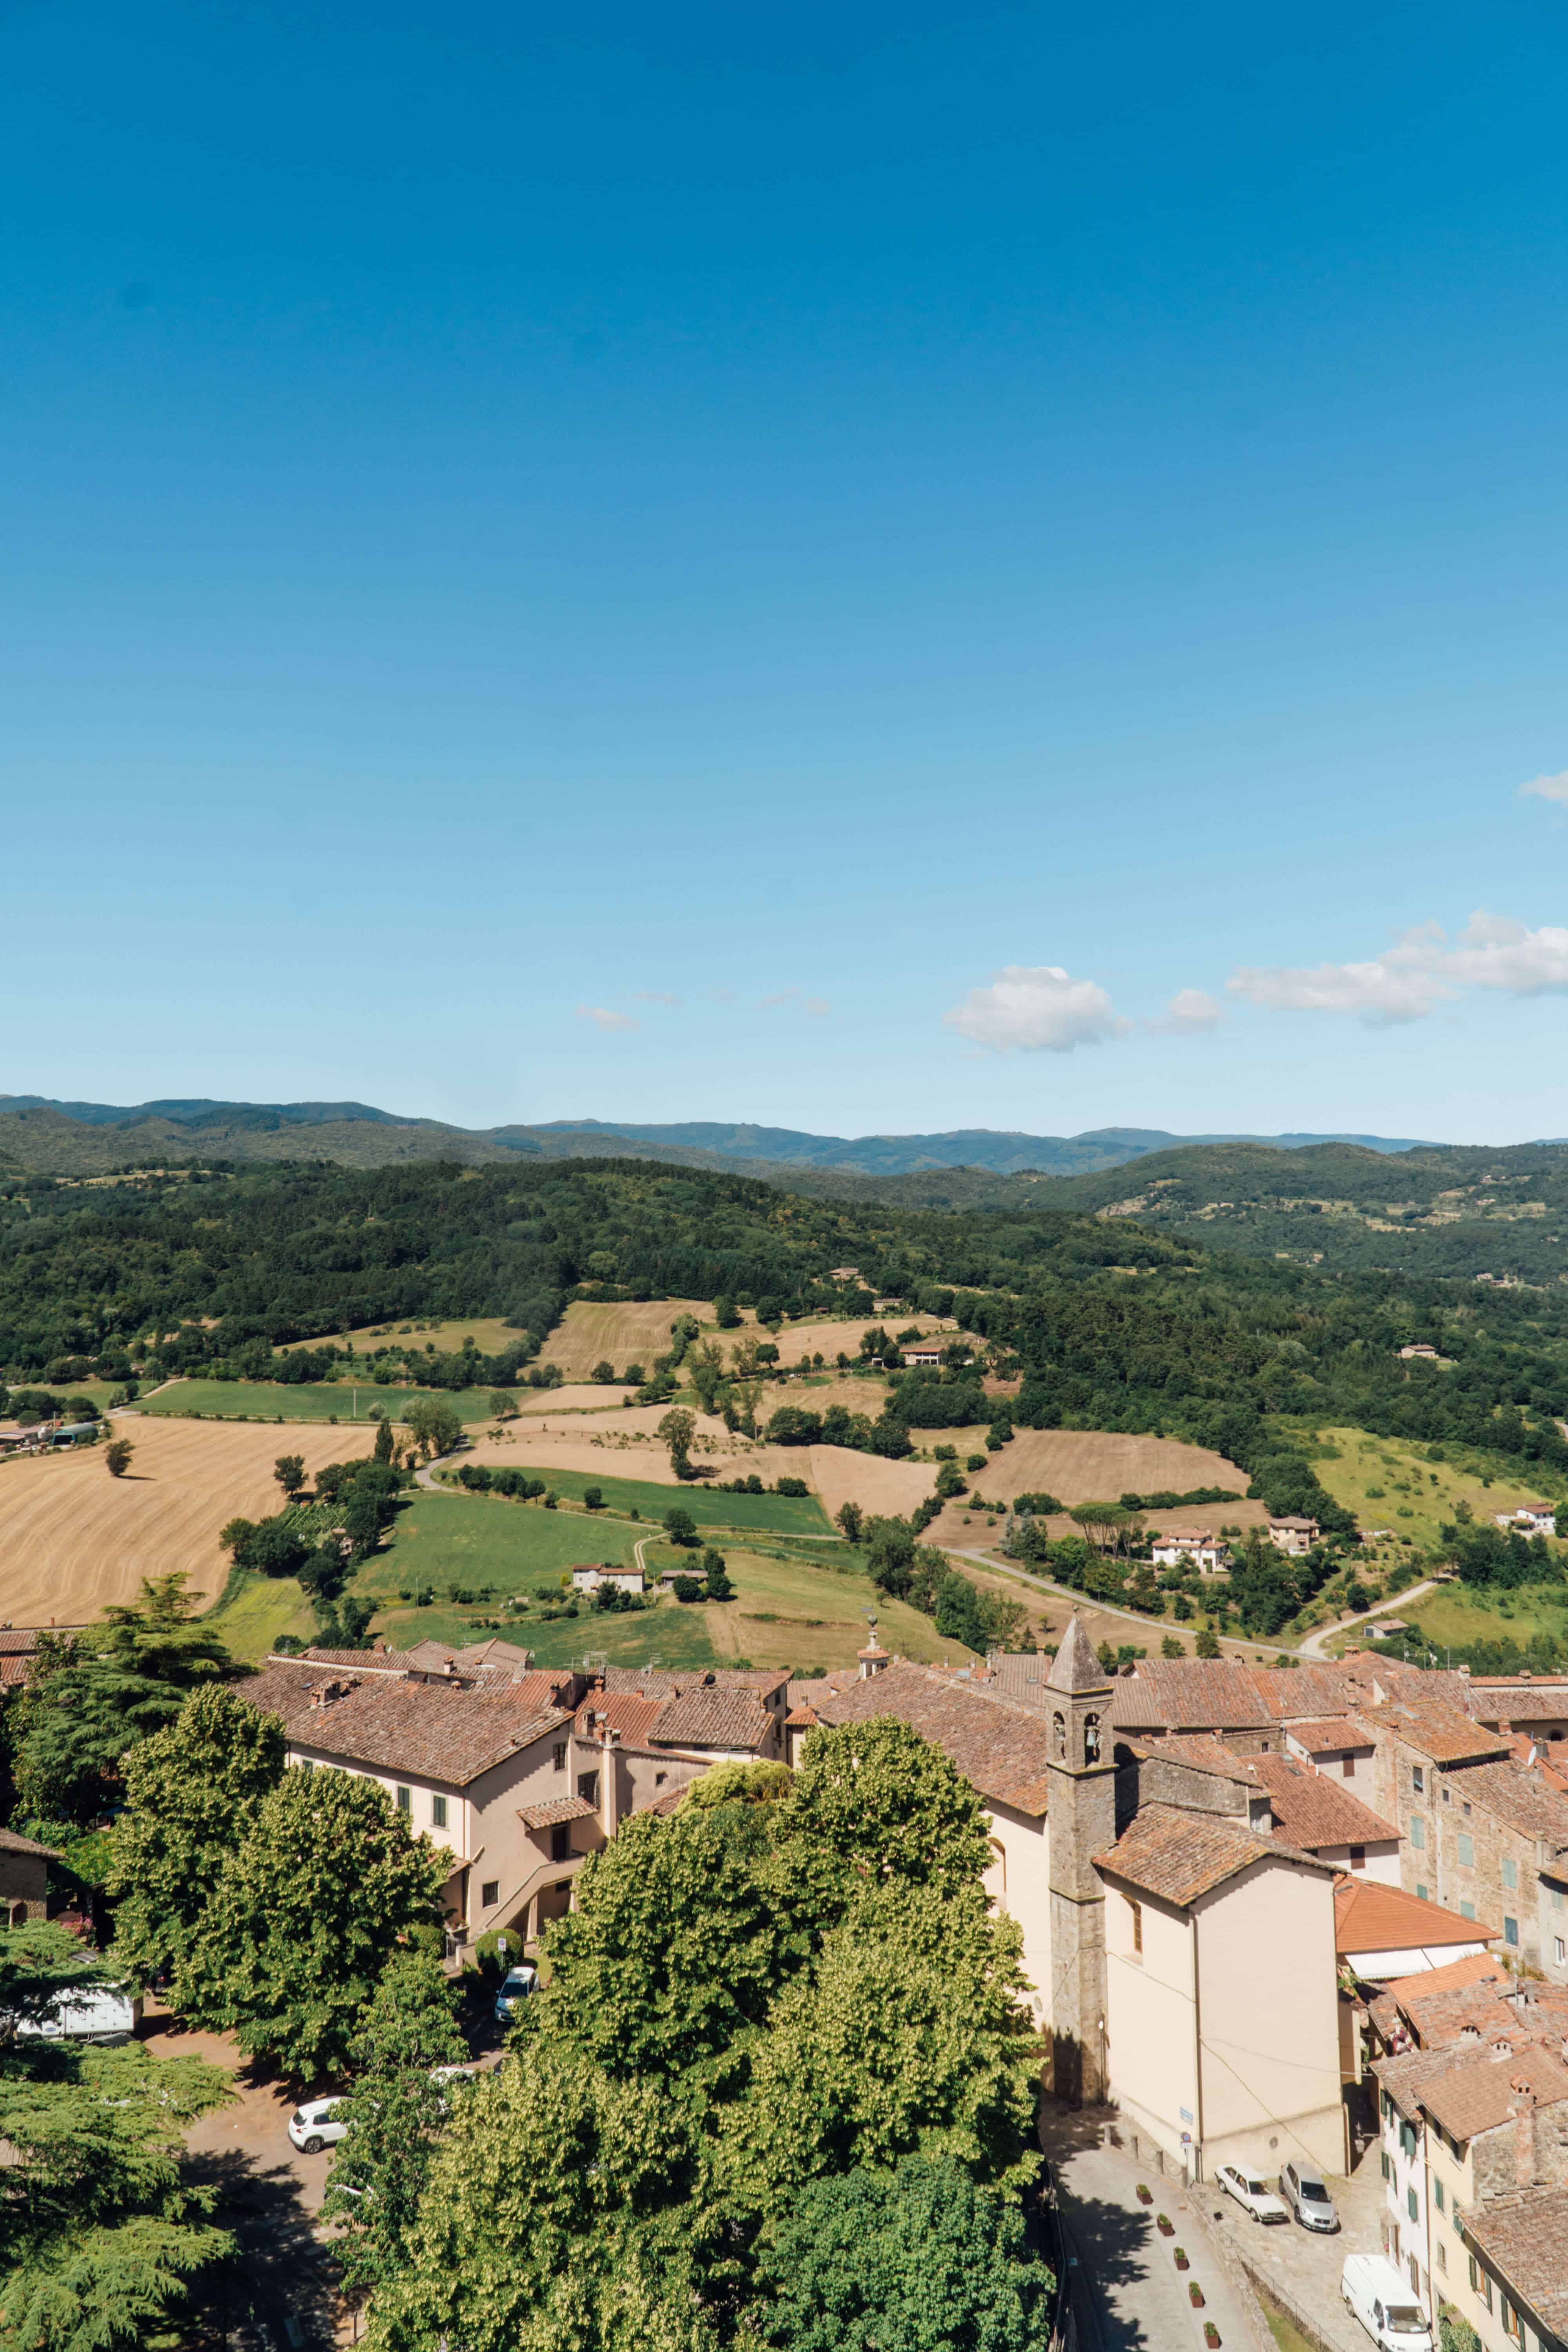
x=96, y=2014
x=1387, y=2306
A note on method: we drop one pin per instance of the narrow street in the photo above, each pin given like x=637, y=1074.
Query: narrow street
x=1127, y=2293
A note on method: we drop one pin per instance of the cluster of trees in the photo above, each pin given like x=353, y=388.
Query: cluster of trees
x=322, y=1541
x=102, y=2226
x=1486, y=1554
x=711, y=2131
x=93, y=1696
x=515, y=1483
x=901, y=1566
x=887, y=1435
x=715, y=1583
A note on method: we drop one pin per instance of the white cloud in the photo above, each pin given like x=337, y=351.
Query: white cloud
x=1036, y=1008
x=818, y=1007
x=1420, y=974
x=779, y=996
x=1189, y=1013
x=1546, y=788
x=655, y=996
x=1497, y=953
x=1405, y=983
x=603, y=1018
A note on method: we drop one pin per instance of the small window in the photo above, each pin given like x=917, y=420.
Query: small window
x=1437, y=2193
x=1418, y=1779
x=659, y=1778
x=561, y=1841
x=1358, y=1857
x=404, y=1801
x=1448, y=1796
x=1467, y=1851
x=558, y=1756
x=438, y=1812
x=1559, y=1950
x=1556, y=1894
x=1348, y=1768
x=1475, y=2276
x=1421, y=1895
x=1418, y=1831
x=1411, y=2207
x=1511, y=1932
x=1465, y=1808
x=1467, y=1910
x=1510, y=2326
x=1442, y=2256
x=1387, y=2168
x=1510, y=1872
x=489, y=1893
x=588, y=1787
x=1137, y=1910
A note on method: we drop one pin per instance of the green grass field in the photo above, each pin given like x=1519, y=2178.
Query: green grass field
x=1458, y=1615
x=751, y=1514
x=302, y=1400
x=256, y=1609
x=1388, y=1482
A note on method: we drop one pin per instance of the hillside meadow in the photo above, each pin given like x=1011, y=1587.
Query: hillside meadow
x=300, y=1400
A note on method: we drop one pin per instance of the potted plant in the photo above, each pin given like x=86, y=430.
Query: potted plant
x=1195, y=2294
x=1145, y=2195
x=1163, y=2224
x=1211, y=2336
x=1182, y=2264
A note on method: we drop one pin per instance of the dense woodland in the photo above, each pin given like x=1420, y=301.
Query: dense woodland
x=1111, y=1325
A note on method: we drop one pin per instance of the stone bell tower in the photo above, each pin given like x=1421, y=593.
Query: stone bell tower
x=1080, y=1823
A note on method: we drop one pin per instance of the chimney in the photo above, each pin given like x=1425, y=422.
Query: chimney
x=609, y=1782
x=1505, y=1731
x=1522, y=2110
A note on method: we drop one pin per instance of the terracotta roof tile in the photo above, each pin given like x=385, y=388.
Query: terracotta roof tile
x=1441, y=1733
x=1314, y=1812
x=1192, y=1693
x=1329, y=1736
x=13, y=1842
x=1523, y=2236
x=1520, y=1800
x=1475, y=1968
x=1181, y=1856
x=1372, y=1919
x=558, y=1809
x=1202, y=1751
x=1001, y=1749
x=1477, y=2093
x=430, y=1730
x=627, y=1712
x=712, y=1719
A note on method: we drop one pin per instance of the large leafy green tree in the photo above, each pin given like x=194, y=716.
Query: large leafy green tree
x=192, y=1792
x=550, y=2220
x=94, y=1697
x=325, y=1884
x=100, y=2227
x=890, y=1802
x=915, y=2260
x=395, y=2117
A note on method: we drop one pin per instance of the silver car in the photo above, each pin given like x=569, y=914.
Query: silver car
x=1307, y=2196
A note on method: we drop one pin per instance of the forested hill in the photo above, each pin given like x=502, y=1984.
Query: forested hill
x=1113, y=1325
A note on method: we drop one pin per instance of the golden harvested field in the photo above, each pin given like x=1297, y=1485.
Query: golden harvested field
x=623, y=1334
x=624, y=1445
x=890, y=1489
x=1079, y=1465
x=579, y=1397
x=72, y=1538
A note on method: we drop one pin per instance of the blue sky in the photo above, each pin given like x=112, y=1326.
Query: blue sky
x=816, y=565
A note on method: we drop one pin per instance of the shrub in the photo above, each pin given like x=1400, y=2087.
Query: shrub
x=795, y=1486
x=1195, y=2294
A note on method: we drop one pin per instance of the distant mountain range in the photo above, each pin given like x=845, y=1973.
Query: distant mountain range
x=42, y=1135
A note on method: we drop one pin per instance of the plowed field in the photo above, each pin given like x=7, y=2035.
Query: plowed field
x=621, y=1334
x=72, y=1538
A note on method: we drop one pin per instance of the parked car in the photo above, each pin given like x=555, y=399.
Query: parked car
x=96, y=2014
x=516, y=1985
x=1252, y=2192
x=1306, y=2193
x=317, y=2124
x=1386, y=2306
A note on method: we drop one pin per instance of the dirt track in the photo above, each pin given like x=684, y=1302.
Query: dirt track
x=72, y=1538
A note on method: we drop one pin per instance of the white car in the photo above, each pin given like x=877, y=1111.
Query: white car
x=317, y=2124
x=1252, y=2192
x=518, y=1983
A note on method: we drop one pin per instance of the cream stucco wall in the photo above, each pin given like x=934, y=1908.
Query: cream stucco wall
x=1269, y=2019
x=1018, y=1882
x=1152, y=2048
x=1382, y=1863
